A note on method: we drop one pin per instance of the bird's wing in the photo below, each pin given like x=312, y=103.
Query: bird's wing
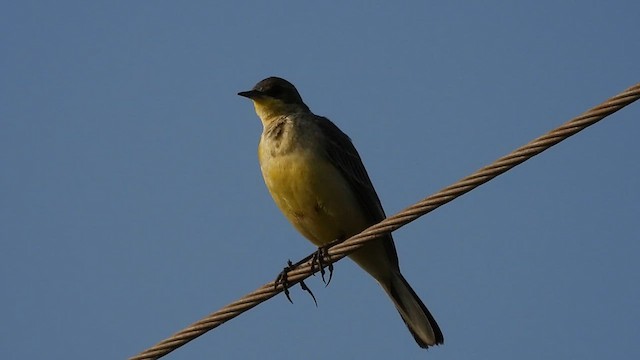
x=340, y=151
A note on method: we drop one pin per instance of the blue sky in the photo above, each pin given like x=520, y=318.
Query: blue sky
x=131, y=202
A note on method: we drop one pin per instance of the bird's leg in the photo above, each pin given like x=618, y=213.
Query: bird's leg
x=282, y=280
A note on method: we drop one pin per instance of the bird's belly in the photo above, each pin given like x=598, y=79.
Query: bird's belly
x=314, y=196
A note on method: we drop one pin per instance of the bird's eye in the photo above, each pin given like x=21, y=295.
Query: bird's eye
x=275, y=91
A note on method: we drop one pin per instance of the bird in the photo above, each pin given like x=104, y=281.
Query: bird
x=317, y=179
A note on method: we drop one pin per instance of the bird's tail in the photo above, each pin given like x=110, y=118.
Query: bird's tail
x=419, y=320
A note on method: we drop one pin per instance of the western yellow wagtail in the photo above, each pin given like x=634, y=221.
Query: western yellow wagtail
x=316, y=177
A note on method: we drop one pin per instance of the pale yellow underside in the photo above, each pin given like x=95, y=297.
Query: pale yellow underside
x=317, y=200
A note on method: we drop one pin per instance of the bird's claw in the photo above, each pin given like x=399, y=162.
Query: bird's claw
x=317, y=262
x=284, y=282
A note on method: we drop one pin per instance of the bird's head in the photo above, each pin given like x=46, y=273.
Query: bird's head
x=274, y=97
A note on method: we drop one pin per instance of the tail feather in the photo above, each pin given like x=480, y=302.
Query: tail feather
x=414, y=313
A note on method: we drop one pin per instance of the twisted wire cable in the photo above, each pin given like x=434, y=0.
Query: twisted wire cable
x=304, y=268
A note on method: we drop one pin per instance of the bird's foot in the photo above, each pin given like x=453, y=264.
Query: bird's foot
x=284, y=281
x=318, y=261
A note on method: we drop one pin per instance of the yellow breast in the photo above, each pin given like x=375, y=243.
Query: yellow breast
x=313, y=195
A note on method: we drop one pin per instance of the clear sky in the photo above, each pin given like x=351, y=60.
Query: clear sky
x=131, y=202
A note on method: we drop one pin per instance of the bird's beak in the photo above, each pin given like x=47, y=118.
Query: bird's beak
x=251, y=94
